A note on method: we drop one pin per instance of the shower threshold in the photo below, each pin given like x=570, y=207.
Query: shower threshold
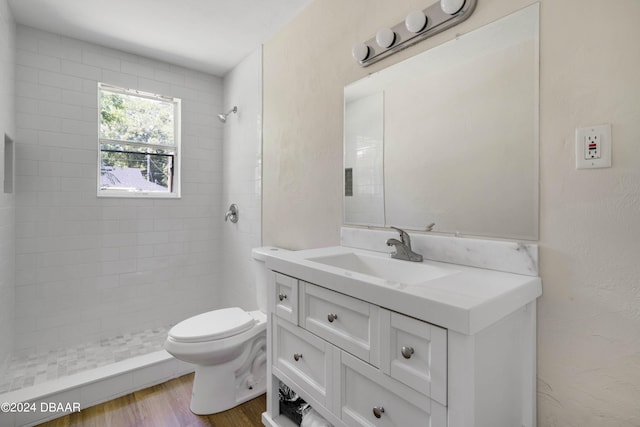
x=49, y=385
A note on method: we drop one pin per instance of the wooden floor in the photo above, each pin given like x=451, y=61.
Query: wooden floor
x=163, y=405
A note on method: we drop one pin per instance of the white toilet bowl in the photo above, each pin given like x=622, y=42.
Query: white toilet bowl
x=228, y=347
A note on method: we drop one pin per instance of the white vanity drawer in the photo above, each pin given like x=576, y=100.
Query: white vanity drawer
x=287, y=297
x=303, y=357
x=415, y=353
x=347, y=322
x=370, y=398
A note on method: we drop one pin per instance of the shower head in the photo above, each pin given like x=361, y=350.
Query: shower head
x=223, y=116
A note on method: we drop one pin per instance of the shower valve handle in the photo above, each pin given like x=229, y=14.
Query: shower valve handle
x=232, y=213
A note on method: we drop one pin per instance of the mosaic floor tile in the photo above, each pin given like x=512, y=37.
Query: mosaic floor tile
x=47, y=366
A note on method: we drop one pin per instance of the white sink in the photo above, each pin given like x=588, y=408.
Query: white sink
x=461, y=298
x=383, y=267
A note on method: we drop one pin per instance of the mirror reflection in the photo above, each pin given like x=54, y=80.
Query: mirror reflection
x=450, y=136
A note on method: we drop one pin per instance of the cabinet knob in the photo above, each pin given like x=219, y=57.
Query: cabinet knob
x=378, y=411
x=282, y=297
x=331, y=317
x=406, y=352
x=297, y=356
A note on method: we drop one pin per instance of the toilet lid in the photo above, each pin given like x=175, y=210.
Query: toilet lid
x=213, y=325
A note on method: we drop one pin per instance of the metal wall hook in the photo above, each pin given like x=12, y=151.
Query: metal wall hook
x=232, y=213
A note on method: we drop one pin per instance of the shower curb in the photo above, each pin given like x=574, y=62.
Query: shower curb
x=52, y=399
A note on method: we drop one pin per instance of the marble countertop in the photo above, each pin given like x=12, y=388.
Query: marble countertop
x=465, y=299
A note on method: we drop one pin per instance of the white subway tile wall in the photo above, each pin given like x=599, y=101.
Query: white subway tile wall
x=364, y=136
x=242, y=181
x=7, y=200
x=89, y=268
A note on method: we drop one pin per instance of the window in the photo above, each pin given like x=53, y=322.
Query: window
x=139, y=144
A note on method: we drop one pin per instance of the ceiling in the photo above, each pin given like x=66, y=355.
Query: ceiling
x=207, y=35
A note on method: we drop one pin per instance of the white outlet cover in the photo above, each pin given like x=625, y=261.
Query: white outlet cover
x=604, y=133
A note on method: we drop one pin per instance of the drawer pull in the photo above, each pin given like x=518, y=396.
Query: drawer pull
x=406, y=352
x=378, y=411
x=297, y=356
x=282, y=297
x=331, y=317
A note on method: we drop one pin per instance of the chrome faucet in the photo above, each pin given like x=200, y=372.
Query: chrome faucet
x=403, y=247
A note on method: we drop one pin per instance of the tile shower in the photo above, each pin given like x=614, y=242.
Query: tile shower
x=89, y=268
x=98, y=282
x=38, y=368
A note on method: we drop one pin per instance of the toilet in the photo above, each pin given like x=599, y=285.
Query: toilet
x=228, y=347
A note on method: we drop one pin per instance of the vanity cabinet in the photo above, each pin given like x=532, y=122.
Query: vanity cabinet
x=368, y=340
x=360, y=362
x=349, y=323
x=415, y=353
x=356, y=363
x=308, y=360
x=286, y=297
x=368, y=397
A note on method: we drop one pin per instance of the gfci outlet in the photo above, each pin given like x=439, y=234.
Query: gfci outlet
x=593, y=147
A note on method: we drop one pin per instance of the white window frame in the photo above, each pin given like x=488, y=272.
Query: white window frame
x=177, y=163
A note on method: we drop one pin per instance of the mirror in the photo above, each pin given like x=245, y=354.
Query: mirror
x=450, y=136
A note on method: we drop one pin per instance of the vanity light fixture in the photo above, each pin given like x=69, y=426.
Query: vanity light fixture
x=451, y=7
x=360, y=51
x=418, y=25
x=385, y=38
x=415, y=21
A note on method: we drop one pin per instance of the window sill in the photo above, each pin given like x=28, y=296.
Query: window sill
x=137, y=195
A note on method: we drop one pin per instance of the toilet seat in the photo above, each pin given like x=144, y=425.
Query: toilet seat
x=213, y=325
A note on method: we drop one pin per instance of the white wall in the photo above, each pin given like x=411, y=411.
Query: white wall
x=88, y=267
x=242, y=179
x=7, y=201
x=589, y=314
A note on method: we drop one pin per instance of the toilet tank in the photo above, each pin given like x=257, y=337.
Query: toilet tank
x=262, y=274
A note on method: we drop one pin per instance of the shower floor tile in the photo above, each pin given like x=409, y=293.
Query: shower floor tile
x=34, y=369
